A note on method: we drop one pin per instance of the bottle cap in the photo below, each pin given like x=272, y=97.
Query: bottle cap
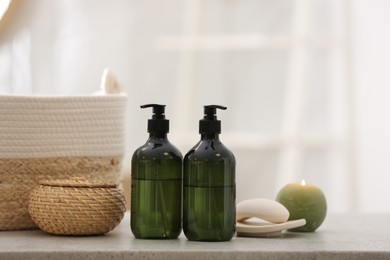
x=158, y=123
x=209, y=124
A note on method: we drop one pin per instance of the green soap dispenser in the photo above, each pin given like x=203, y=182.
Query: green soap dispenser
x=156, y=183
x=209, y=197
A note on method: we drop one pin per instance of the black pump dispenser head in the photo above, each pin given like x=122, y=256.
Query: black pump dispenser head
x=209, y=124
x=158, y=124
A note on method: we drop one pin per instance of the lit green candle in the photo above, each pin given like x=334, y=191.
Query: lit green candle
x=304, y=201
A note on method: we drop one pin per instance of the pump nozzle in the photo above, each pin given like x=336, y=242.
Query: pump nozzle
x=158, y=110
x=158, y=123
x=209, y=124
x=210, y=112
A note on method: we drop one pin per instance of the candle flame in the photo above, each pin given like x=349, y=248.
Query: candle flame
x=303, y=183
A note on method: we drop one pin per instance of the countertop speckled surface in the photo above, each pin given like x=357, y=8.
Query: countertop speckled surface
x=340, y=237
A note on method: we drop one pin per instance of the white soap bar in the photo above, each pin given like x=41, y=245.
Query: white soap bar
x=266, y=209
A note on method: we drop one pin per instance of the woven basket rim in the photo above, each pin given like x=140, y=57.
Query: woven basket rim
x=56, y=97
x=79, y=183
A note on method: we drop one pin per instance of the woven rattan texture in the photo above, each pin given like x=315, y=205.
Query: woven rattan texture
x=75, y=210
x=19, y=176
x=80, y=182
x=47, y=127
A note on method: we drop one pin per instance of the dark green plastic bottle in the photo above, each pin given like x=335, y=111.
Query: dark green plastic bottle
x=156, y=183
x=209, y=197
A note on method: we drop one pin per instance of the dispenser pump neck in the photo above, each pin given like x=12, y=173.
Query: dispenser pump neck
x=157, y=124
x=210, y=124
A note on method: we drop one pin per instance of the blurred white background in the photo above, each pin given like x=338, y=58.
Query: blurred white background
x=306, y=82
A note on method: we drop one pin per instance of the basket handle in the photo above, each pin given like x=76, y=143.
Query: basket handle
x=109, y=84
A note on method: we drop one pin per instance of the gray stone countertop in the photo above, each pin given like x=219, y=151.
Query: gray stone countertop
x=340, y=237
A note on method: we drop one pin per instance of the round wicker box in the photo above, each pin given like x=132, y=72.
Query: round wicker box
x=76, y=207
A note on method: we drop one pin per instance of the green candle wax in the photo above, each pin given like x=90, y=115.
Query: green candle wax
x=304, y=201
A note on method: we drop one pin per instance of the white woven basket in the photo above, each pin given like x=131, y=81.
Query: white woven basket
x=43, y=138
